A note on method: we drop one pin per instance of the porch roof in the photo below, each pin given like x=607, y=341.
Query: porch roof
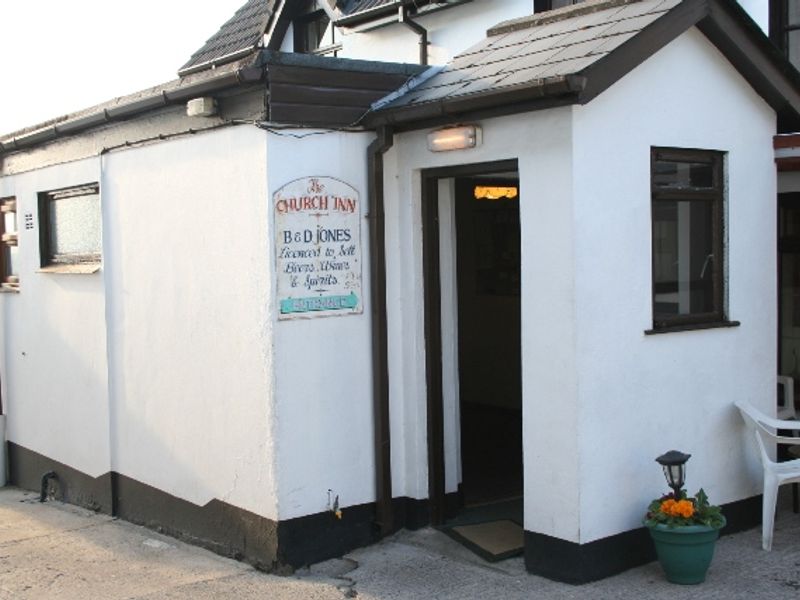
x=570, y=55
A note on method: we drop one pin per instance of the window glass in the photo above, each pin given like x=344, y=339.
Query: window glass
x=683, y=258
x=793, y=13
x=687, y=237
x=13, y=261
x=683, y=175
x=794, y=47
x=75, y=225
x=71, y=225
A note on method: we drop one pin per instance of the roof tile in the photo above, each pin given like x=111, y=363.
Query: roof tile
x=240, y=33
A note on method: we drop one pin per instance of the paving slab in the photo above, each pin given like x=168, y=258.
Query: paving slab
x=57, y=551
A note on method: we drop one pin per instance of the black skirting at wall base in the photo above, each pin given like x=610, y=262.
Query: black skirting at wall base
x=283, y=545
x=569, y=562
x=277, y=546
x=742, y=515
x=26, y=469
x=217, y=526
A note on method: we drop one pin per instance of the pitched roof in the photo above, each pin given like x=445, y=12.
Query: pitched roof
x=571, y=55
x=238, y=36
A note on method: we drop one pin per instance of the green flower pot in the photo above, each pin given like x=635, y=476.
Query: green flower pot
x=685, y=553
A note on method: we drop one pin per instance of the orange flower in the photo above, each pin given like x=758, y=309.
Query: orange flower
x=684, y=508
x=668, y=506
x=680, y=508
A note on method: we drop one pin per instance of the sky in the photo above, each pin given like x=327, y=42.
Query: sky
x=60, y=56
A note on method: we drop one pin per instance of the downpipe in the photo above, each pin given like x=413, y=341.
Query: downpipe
x=3, y=457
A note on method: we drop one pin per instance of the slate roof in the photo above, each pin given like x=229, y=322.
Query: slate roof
x=240, y=34
x=570, y=55
x=528, y=50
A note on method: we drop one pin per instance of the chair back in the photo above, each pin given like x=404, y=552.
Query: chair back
x=766, y=427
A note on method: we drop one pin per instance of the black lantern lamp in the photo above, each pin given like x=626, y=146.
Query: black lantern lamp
x=674, y=465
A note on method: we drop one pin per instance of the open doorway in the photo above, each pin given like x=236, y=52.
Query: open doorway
x=489, y=362
x=471, y=256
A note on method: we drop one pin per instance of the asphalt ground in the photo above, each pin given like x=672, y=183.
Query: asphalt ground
x=55, y=551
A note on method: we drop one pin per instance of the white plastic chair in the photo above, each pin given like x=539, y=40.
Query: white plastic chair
x=776, y=474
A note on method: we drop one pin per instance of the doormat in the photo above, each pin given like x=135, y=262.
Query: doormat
x=492, y=541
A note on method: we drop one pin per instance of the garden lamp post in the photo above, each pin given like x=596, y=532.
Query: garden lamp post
x=674, y=465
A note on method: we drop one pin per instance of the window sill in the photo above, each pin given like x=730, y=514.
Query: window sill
x=73, y=269
x=693, y=327
x=8, y=289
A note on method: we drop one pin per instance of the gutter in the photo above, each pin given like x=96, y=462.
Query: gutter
x=551, y=91
x=246, y=75
x=384, y=517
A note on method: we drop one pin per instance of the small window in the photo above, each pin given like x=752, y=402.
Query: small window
x=9, y=251
x=785, y=28
x=70, y=226
x=309, y=32
x=542, y=5
x=688, y=252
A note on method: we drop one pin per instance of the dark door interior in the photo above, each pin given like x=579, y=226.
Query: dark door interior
x=489, y=344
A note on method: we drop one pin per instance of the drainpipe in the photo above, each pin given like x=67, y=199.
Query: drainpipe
x=402, y=17
x=380, y=364
x=2, y=443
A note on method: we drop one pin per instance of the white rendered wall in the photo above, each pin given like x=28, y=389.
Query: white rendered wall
x=642, y=395
x=323, y=365
x=542, y=143
x=189, y=274
x=449, y=32
x=55, y=390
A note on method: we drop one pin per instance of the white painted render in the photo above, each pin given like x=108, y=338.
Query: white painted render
x=323, y=365
x=542, y=143
x=600, y=398
x=639, y=395
x=55, y=388
x=189, y=321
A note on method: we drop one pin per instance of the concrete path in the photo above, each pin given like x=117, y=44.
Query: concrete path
x=55, y=551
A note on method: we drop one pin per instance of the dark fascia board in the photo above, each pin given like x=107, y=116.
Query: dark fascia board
x=246, y=72
x=735, y=34
x=725, y=24
x=622, y=60
x=241, y=74
x=554, y=91
x=297, y=59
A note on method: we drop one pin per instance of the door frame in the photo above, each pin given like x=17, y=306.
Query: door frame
x=432, y=307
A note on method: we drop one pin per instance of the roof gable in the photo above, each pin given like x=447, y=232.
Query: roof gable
x=571, y=55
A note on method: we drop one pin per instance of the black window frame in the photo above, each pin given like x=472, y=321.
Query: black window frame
x=717, y=317
x=780, y=26
x=47, y=257
x=302, y=43
x=544, y=5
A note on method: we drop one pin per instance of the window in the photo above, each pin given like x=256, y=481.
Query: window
x=542, y=5
x=9, y=260
x=314, y=35
x=70, y=226
x=687, y=219
x=785, y=28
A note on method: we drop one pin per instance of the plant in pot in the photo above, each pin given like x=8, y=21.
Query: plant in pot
x=684, y=530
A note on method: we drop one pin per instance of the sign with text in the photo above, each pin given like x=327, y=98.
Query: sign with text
x=317, y=248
